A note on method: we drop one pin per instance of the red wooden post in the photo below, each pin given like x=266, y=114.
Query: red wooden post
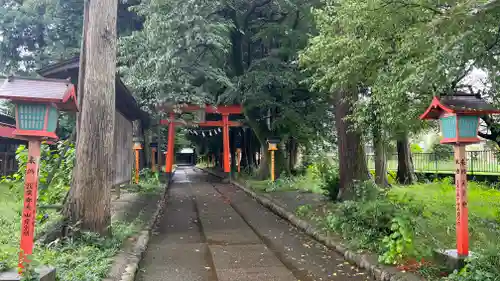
x=227, y=164
x=462, y=224
x=30, y=198
x=170, y=148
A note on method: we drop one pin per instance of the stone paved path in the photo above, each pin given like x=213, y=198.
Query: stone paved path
x=213, y=231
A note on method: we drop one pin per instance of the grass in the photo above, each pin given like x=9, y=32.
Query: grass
x=304, y=183
x=438, y=202
x=86, y=257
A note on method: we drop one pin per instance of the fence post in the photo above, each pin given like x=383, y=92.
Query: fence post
x=436, y=162
x=471, y=162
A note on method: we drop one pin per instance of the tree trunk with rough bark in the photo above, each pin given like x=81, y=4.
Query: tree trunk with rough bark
x=80, y=93
x=352, y=163
x=263, y=172
x=380, y=161
x=292, y=153
x=90, y=202
x=406, y=173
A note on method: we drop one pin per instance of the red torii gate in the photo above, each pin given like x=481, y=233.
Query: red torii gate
x=224, y=110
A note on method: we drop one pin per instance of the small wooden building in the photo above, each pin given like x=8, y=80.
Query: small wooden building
x=127, y=111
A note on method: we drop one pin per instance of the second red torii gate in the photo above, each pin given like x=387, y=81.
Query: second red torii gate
x=224, y=110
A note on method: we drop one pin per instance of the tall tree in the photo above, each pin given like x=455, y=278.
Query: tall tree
x=352, y=162
x=90, y=202
x=224, y=52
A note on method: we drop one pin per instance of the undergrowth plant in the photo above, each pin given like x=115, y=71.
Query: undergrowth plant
x=146, y=175
x=484, y=266
x=55, y=171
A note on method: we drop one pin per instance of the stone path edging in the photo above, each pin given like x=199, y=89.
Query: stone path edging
x=136, y=252
x=366, y=261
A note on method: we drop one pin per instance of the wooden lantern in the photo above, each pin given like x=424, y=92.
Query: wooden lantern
x=272, y=147
x=459, y=119
x=273, y=144
x=459, y=116
x=38, y=102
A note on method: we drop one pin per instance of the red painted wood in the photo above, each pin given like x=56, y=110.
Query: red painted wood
x=436, y=104
x=460, y=140
x=204, y=124
x=30, y=198
x=462, y=213
x=137, y=165
x=225, y=143
x=170, y=149
x=71, y=95
x=226, y=109
x=35, y=133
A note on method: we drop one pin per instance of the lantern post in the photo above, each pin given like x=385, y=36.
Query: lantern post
x=272, y=147
x=37, y=105
x=137, y=150
x=459, y=116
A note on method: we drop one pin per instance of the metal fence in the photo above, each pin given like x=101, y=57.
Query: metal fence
x=478, y=162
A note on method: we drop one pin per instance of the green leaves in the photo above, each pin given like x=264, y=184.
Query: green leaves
x=403, y=51
x=175, y=56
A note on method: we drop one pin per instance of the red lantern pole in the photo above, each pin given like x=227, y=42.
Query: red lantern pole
x=462, y=223
x=137, y=165
x=30, y=198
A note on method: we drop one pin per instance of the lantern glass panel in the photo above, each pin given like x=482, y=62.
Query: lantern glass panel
x=53, y=117
x=468, y=126
x=449, y=127
x=31, y=116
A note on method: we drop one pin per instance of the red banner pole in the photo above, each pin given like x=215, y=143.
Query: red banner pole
x=29, y=208
x=462, y=223
x=225, y=143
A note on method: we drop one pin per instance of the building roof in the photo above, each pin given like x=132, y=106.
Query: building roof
x=461, y=103
x=187, y=151
x=57, y=91
x=125, y=101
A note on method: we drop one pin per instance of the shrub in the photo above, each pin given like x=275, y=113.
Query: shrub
x=146, y=175
x=441, y=152
x=330, y=179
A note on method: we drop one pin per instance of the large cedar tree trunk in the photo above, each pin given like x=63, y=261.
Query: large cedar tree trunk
x=352, y=163
x=90, y=202
x=406, y=174
x=380, y=159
